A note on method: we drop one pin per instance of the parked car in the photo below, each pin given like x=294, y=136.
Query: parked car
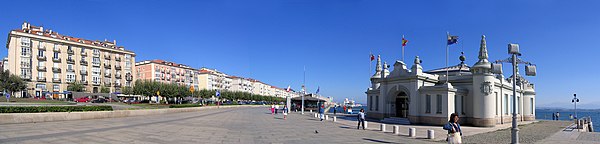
x=82, y=99
x=99, y=100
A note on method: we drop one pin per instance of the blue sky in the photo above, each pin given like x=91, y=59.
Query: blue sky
x=272, y=40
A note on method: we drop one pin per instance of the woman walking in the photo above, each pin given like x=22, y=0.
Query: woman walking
x=454, y=131
x=272, y=109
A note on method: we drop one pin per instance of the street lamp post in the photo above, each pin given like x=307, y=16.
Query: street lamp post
x=575, y=100
x=513, y=50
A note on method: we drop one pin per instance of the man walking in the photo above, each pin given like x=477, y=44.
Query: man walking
x=557, y=115
x=321, y=112
x=334, y=110
x=361, y=119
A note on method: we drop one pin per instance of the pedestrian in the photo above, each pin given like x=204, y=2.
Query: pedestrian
x=557, y=115
x=321, y=112
x=571, y=116
x=334, y=110
x=344, y=108
x=553, y=116
x=285, y=113
x=276, y=107
x=454, y=131
x=272, y=109
x=361, y=119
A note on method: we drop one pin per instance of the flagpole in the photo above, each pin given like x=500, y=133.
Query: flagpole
x=402, y=43
x=447, y=45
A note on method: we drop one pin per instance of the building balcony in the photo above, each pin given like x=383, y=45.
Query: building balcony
x=56, y=49
x=56, y=59
x=118, y=58
x=83, y=72
x=56, y=69
x=107, y=84
x=107, y=57
x=84, y=82
x=96, y=54
x=96, y=64
x=70, y=61
x=83, y=62
x=70, y=51
x=41, y=68
x=107, y=66
x=40, y=47
x=70, y=70
x=106, y=74
x=70, y=81
x=117, y=85
x=56, y=80
x=83, y=53
x=41, y=79
x=117, y=67
x=168, y=72
x=26, y=77
x=118, y=76
x=95, y=83
x=41, y=58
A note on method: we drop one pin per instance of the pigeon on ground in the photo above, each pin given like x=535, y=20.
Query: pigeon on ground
x=316, y=131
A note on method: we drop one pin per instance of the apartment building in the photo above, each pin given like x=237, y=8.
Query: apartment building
x=167, y=72
x=50, y=61
x=241, y=84
x=212, y=79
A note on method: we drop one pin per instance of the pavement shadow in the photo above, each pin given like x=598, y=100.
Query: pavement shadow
x=378, y=141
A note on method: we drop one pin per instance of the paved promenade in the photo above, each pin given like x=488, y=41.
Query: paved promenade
x=230, y=125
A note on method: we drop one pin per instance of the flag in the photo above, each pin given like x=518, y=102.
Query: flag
x=372, y=57
x=404, y=41
x=288, y=89
x=318, y=89
x=452, y=39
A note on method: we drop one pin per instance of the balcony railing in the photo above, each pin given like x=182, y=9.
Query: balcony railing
x=56, y=69
x=107, y=57
x=118, y=67
x=41, y=47
x=83, y=62
x=83, y=72
x=118, y=76
x=41, y=58
x=117, y=85
x=118, y=58
x=83, y=82
x=107, y=66
x=56, y=80
x=96, y=54
x=70, y=61
x=83, y=53
x=41, y=79
x=96, y=83
x=107, y=74
x=56, y=49
x=27, y=77
x=56, y=59
x=41, y=68
x=70, y=51
x=106, y=83
x=95, y=64
x=70, y=70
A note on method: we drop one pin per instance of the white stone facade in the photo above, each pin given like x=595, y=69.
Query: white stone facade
x=480, y=97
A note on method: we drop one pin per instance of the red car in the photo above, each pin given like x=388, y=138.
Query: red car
x=82, y=99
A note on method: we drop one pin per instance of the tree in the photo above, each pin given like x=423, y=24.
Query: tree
x=76, y=87
x=104, y=89
x=127, y=90
x=11, y=83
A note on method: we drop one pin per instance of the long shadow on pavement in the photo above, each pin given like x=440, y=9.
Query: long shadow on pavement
x=377, y=141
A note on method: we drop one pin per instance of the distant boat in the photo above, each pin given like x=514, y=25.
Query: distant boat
x=349, y=104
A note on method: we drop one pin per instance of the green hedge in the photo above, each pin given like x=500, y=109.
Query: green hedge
x=184, y=105
x=41, y=109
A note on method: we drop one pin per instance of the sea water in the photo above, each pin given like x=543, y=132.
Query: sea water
x=546, y=114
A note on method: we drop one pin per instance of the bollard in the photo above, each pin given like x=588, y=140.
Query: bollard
x=334, y=118
x=412, y=132
x=315, y=114
x=430, y=134
x=326, y=117
x=382, y=127
x=311, y=111
x=396, y=129
x=366, y=124
x=591, y=127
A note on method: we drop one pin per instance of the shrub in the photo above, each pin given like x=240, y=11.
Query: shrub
x=41, y=109
x=184, y=105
